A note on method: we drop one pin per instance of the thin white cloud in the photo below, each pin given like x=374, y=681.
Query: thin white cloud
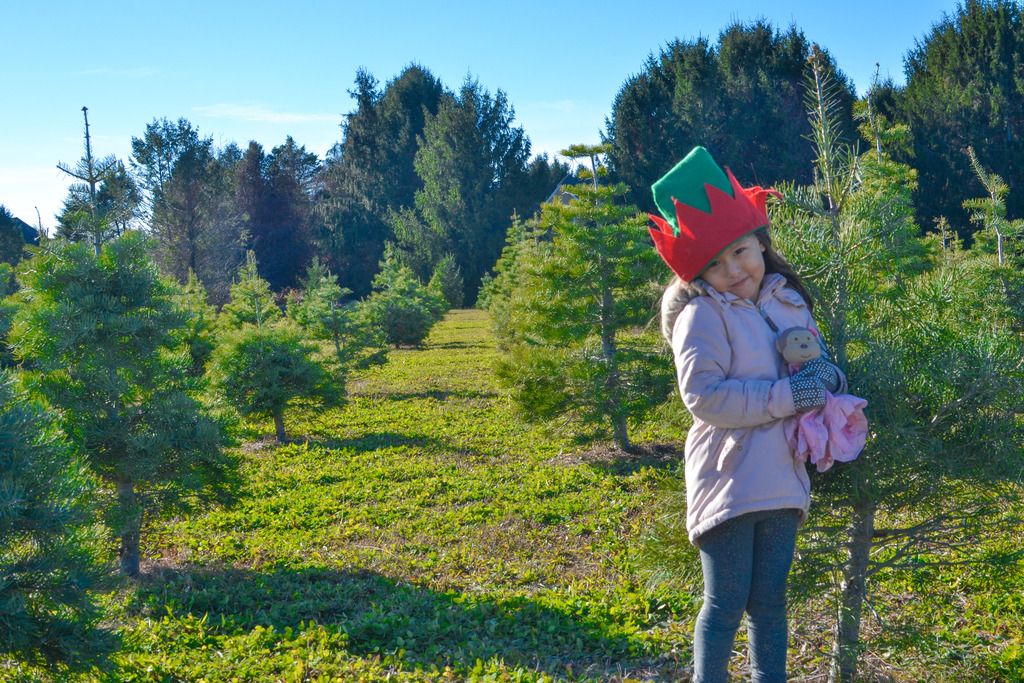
x=109, y=72
x=560, y=106
x=261, y=113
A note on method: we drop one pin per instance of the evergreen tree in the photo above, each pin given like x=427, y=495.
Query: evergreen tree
x=85, y=221
x=251, y=302
x=401, y=305
x=446, y=282
x=200, y=319
x=7, y=308
x=371, y=171
x=117, y=206
x=574, y=309
x=964, y=89
x=471, y=161
x=279, y=204
x=930, y=336
x=47, y=550
x=943, y=387
x=100, y=332
x=997, y=234
x=742, y=99
x=262, y=362
x=320, y=311
x=524, y=244
x=261, y=370
x=12, y=243
x=190, y=204
x=250, y=183
x=119, y=199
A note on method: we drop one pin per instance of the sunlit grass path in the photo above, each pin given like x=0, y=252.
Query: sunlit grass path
x=421, y=529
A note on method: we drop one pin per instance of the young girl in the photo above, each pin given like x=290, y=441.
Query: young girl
x=746, y=494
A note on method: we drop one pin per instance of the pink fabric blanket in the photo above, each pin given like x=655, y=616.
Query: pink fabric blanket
x=835, y=433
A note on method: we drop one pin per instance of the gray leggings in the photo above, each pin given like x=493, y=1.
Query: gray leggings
x=746, y=561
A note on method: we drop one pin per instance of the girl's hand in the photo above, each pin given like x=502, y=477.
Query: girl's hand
x=821, y=369
x=808, y=392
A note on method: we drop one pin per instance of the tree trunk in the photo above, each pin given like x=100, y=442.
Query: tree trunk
x=846, y=647
x=279, y=426
x=131, y=528
x=620, y=431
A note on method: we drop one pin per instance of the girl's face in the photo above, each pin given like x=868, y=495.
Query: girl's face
x=739, y=269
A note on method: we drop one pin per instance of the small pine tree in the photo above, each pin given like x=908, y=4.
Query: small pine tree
x=524, y=243
x=401, y=305
x=261, y=370
x=251, y=299
x=47, y=550
x=12, y=243
x=197, y=333
x=574, y=313
x=990, y=214
x=101, y=334
x=263, y=362
x=319, y=310
x=446, y=282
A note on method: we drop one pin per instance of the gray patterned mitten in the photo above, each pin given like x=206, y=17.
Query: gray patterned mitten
x=822, y=370
x=808, y=393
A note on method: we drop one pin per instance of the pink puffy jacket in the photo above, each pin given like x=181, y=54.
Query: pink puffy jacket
x=736, y=384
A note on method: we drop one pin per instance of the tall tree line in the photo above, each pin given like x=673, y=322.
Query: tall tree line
x=439, y=172
x=742, y=98
x=434, y=171
x=964, y=89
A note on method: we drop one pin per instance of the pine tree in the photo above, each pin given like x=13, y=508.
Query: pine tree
x=190, y=204
x=446, y=282
x=199, y=329
x=964, y=89
x=574, y=315
x=85, y=221
x=274, y=194
x=100, y=334
x=48, y=552
x=320, y=310
x=741, y=98
x=928, y=338
x=371, y=173
x=990, y=214
x=497, y=295
x=262, y=362
x=401, y=305
x=7, y=308
x=12, y=243
x=471, y=161
x=261, y=370
x=251, y=302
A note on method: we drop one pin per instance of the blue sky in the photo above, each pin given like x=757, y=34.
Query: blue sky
x=263, y=70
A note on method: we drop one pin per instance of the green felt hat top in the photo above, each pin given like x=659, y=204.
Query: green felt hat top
x=686, y=183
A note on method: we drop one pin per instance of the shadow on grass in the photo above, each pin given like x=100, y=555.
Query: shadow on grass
x=382, y=616
x=613, y=460
x=435, y=394
x=379, y=441
x=459, y=345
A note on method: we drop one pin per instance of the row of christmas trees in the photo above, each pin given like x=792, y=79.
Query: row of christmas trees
x=118, y=396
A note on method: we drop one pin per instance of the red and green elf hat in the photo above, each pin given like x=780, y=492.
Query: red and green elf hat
x=705, y=210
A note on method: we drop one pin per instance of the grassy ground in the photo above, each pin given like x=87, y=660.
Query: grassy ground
x=425, y=532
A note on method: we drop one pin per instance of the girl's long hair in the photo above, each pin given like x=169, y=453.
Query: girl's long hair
x=679, y=292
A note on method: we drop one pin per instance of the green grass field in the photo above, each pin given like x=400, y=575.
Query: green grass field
x=425, y=532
